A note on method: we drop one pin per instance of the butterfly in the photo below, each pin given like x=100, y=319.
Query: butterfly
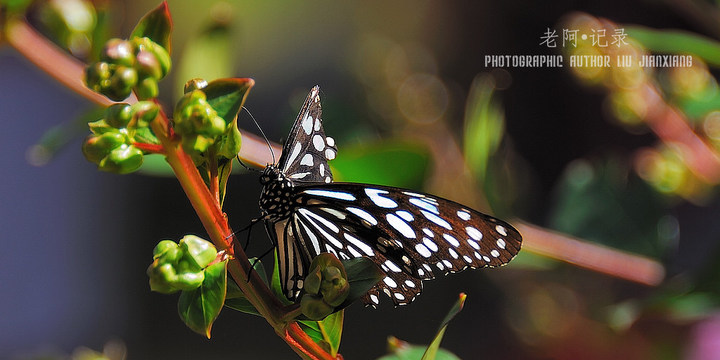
x=409, y=235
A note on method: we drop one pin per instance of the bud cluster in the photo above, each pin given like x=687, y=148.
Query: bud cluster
x=110, y=145
x=126, y=65
x=180, y=266
x=326, y=287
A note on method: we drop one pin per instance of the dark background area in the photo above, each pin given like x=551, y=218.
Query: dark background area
x=76, y=242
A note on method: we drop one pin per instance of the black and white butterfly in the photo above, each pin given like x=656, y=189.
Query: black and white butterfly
x=409, y=235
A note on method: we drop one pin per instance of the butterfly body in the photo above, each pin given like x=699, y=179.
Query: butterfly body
x=409, y=235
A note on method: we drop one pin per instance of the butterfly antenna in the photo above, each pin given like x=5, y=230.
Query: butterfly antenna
x=262, y=133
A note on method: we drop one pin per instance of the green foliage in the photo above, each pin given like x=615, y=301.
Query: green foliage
x=156, y=25
x=326, y=332
x=200, y=307
x=394, y=163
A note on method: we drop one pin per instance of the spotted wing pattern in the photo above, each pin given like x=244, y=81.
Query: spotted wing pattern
x=307, y=150
x=409, y=235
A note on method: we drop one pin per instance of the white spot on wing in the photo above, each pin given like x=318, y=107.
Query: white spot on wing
x=422, y=250
x=307, y=160
x=463, y=215
x=500, y=243
x=330, y=141
x=474, y=233
x=494, y=253
x=436, y=219
x=374, y=299
x=299, y=175
x=318, y=142
x=430, y=244
x=405, y=215
x=329, y=154
x=409, y=283
x=363, y=215
x=424, y=205
x=359, y=244
x=400, y=225
x=374, y=195
x=501, y=230
x=317, y=124
x=390, y=282
x=391, y=265
x=307, y=124
x=331, y=194
x=452, y=240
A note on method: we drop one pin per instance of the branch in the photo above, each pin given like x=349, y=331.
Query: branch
x=591, y=256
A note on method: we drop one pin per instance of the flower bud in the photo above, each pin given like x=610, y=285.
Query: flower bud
x=162, y=278
x=167, y=251
x=118, y=115
x=97, y=76
x=147, y=64
x=314, y=307
x=122, y=160
x=147, y=88
x=194, y=84
x=96, y=148
x=201, y=251
x=161, y=55
x=145, y=112
x=122, y=81
x=119, y=52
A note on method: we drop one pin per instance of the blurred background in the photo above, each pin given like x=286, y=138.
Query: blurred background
x=622, y=158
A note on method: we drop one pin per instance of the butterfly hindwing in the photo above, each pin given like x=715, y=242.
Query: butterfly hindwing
x=409, y=235
x=307, y=149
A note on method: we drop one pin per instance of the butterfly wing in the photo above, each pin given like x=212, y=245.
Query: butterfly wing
x=408, y=234
x=307, y=150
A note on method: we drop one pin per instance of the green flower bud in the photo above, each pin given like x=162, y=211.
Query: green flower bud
x=162, y=278
x=328, y=279
x=190, y=280
x=196, y=143
x=118, y=115
x=147, y=64
x=167, y=251
x=97, y=76
x=96, y=148
x=119, y=52
x=122, y=160
x=121, y=83
x=145, y=111
x=200, y=251
x=314, y=307
x=194, y=84
x=147, y=88
x=312, y=282
x=161, y=55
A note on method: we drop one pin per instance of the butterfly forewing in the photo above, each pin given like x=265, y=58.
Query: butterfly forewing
x=409, y=235
x=307, y=149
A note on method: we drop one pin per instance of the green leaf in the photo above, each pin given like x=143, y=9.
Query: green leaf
x=227, y=96
x=235, y=298
x=432, y=350
x=484, y=123
x=206, y=55
x=327, y=332
x=156, y=25
x=331, y=329
x=362, y=275
x=676, y=42
x=378, y=163
x=224, y=170
x=401, y=350
x=200, y=307
x=230, y=141
x=275, y=285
